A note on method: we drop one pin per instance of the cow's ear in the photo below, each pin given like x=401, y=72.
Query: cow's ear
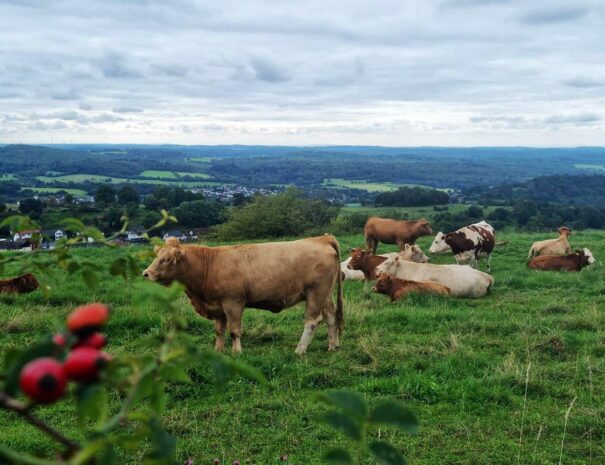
x=406, y=247
x=176, y=253
x=351, y=250
x=156, y=249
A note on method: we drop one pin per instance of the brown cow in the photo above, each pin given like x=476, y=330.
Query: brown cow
x=394, y=232
x=19, y=285
x=365, y=261
x=222, y=281
x=397, y=288
x=572, y=262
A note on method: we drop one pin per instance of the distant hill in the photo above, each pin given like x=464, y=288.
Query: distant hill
x=565, y=189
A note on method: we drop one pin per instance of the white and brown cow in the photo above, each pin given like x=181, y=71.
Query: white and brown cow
x=468, y=243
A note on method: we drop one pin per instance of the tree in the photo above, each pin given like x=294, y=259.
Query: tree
x=128, y=195
x=199, y=213
x=105, y=195
x=32, y=207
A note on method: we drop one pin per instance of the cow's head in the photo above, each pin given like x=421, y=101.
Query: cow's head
x=28, y=283
x=389, y=266
x=166, y=265
x=383, y=284
x=564, y=231
x=358, y=258
x=413, y=253
x=424, y=228
x=587, y=257
x=439, y=244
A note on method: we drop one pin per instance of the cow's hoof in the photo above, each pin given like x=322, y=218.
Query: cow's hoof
x=300, y=352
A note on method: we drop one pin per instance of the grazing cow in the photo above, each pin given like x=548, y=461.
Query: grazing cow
x=412, y=253
x=559, y=246
x=468, y=243
x=221, y=281
x=572, y=262
x=462, y=280
x=19, y=285
x=397, y=288
x=394, y=232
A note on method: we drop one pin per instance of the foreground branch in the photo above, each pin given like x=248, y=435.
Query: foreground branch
x=9, y=403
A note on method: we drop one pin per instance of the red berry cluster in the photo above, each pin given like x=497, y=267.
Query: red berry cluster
x=44, y=379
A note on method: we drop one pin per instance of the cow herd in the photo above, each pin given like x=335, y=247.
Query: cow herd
x=222, y=281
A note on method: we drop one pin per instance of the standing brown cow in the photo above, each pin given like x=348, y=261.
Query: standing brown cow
x=222, y=281
x=394, y=232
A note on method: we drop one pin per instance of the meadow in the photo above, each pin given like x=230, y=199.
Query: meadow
x=366, y=185
x=82, y=178
x=54, y=190
x=172, y=175
x=490, y=379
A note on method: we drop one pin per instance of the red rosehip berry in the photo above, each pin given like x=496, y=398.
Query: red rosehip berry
x=83, y=364
x=236, y=462
x=216, y=461
x=59, y=340
x=43, y=380
x=87, y=319
x=95, y=340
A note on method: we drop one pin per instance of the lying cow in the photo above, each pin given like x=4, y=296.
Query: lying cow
x=558, y=246
x=572, y=262
x=361, y=266
x=19, y=285
x=468, y=243
x=397, y=288
x=365, y=262
x=222, y=281
x=462, y=280
x=397, y=232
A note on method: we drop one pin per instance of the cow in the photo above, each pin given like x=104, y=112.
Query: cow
x=355, y=272
x=222, y=281
x=397, y=232
x=468, y=243
x=559, y=246
x=397, y=288
x=572, y=262
x=19, y=285
x=462, y=280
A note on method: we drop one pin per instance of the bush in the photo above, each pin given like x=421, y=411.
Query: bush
x=280, y=215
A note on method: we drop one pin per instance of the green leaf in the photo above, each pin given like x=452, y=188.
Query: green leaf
x=118, y=267
x=386, y=454
x=174, y=373
x=45, y=348
x=158, y=397
x=108, y=456
x=343, y=423
x=393, y=413
x=350, y=402
x=163, y=445
x=92, y=403
x=90, y=278
x=338, y=455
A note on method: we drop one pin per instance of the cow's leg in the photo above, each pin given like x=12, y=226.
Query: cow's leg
x=372, y=244
x=233, y=312
x=489, y=262
x=401, y=245
x=329, y=314
x=220, y=326
x=313, y=316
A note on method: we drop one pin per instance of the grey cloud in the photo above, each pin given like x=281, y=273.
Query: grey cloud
x=545, y=14
x=65, y=94
x=127, y=110
x=116, y=65
x=584, y=118
x=85, y=106
x=269, y=70
x=583, y=82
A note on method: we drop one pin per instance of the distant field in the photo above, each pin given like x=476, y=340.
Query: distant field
x=172, y=174
x=581, y=166
x=81, y=178
x=7, y=177
x=369, y=186
x=200, y=159
x=54, y=190
x=412, y=212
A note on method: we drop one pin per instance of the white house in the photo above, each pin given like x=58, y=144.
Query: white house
x=23, y=235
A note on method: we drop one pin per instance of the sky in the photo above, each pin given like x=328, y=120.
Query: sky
x=304, y=72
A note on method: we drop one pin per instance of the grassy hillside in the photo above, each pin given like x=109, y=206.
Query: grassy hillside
x=461, y=365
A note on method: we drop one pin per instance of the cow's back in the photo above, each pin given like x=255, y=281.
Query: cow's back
x=273, y=272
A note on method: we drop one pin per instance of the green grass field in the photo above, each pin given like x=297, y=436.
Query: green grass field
x=81, y=178
x=172, y=175
x=200, y=159
x=368, y=186
x=54, y=190
x=7, y=177
x=490, y=379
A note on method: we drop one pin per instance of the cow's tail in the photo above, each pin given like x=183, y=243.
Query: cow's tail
x=340, y=319
x=500, y=243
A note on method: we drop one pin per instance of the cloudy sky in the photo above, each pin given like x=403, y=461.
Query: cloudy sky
x=396, y=73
